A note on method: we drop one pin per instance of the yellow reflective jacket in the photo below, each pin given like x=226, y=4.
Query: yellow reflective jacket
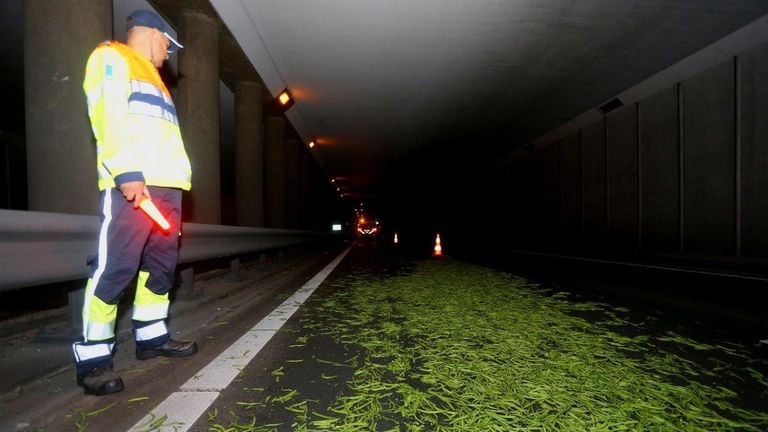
x=134, y=120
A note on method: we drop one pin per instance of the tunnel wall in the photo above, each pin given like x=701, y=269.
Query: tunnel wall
x=753, y=161
x=681, y=173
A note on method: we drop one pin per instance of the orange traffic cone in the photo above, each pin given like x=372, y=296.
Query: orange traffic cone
x=438, y=247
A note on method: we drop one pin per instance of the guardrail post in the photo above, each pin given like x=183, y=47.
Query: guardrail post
x=76, y=301
x=262, y=264
x=234, y=269
x=187, y=287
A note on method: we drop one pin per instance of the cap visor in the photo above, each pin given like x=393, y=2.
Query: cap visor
x=175, y=45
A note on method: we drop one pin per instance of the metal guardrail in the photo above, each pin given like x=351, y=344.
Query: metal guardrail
x=39, y=248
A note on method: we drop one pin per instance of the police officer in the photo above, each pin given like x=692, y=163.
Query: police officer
x=140, y=155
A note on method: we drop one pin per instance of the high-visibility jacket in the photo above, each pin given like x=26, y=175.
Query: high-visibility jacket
x=134, y=120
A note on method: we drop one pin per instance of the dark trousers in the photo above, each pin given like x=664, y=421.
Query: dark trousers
x=129, y=242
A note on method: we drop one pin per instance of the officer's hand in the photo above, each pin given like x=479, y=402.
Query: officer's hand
x=134, y=191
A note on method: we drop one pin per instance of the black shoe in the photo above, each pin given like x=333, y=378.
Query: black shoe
x=101, y=380
x=172, y=348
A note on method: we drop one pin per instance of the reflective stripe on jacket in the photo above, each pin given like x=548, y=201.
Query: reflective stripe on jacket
x=134, y=120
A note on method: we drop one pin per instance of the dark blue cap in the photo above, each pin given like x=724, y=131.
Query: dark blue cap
x=145, y=18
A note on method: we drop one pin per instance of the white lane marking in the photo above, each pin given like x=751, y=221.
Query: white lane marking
x=182, y=409
x=186, y=408
x=224, y=368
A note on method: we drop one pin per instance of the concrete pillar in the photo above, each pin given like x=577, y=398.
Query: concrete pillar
x=319, y=186
x=293, y=196
x=274, y=168
x=305, y=188
x=249, y=154
x=61, y=151
x=198, y=108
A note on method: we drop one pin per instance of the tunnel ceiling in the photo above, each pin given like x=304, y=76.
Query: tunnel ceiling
x=391, y=88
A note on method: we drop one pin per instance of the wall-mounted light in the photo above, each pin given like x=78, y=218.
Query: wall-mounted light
x=284, y=100
x=311, y=144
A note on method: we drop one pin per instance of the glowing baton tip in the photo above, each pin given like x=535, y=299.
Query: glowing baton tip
x=151, y=210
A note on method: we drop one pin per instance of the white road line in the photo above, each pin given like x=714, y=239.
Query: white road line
x=181, y=409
